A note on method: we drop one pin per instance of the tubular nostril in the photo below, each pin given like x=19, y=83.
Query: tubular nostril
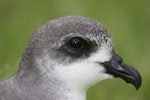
x=117, y=58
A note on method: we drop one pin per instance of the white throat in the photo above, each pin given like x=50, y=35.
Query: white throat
x=75, y=95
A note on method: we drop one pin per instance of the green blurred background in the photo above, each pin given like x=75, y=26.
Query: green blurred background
x=128, y=21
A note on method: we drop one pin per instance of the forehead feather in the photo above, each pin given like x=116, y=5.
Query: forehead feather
x=60, y=27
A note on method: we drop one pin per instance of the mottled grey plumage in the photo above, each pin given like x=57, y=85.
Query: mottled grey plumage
x=47, y=55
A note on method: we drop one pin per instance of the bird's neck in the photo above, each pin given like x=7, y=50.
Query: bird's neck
x=61, y=91
x=77, y=96
x=48, y=87
x=72, y=95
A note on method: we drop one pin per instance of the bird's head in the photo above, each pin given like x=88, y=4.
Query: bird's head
x=78, y=52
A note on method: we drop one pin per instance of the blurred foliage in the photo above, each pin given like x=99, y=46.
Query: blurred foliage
x=128, y=21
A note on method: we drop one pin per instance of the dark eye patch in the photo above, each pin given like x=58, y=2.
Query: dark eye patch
x=78, y=47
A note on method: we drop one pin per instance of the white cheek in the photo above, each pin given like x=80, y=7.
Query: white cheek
x=82, y=75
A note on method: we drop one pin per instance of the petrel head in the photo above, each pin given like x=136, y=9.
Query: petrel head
x=76, y=51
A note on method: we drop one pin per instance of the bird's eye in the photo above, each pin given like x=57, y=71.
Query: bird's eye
x=76, y=43
x=77, y=46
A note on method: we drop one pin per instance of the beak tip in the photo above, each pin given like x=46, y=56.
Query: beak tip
x=135, y=80
x=137, y=87
x=139, y=82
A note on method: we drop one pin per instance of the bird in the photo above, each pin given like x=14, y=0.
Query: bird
x=63, y=59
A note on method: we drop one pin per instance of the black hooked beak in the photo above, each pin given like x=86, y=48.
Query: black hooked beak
x=126, y=72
